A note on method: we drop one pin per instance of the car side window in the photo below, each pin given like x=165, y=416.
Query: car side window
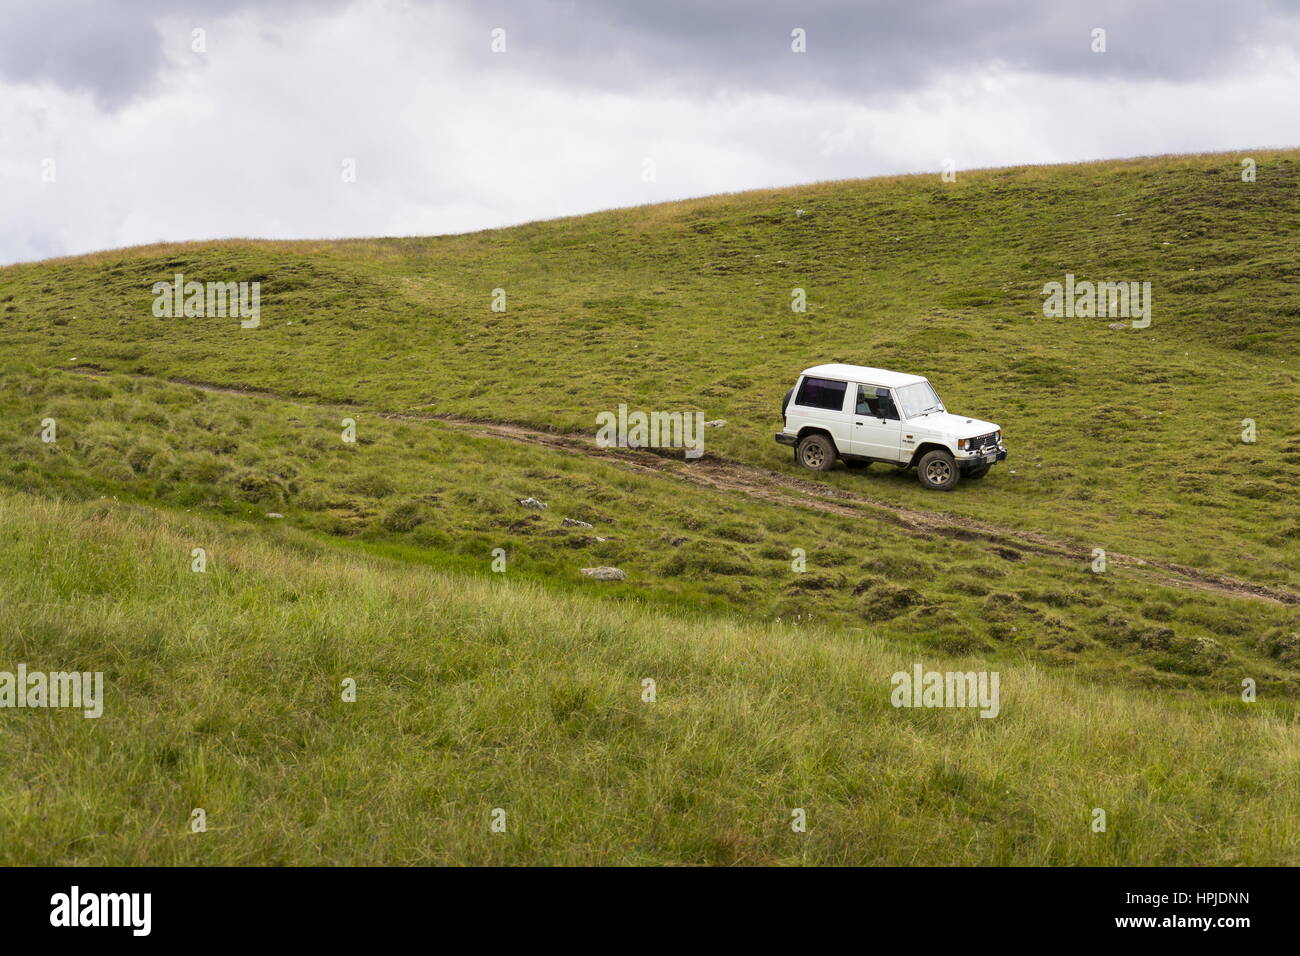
x=876, y=402
x=821, y=393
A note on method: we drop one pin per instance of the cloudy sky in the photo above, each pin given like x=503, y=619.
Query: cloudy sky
x=119, y=124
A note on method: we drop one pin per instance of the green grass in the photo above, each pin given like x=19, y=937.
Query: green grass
x=482, y=693
x=521, y=690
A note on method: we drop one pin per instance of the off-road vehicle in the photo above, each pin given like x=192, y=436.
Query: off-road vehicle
x=861, y=415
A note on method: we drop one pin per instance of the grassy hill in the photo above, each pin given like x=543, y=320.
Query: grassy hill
x=176, y=433
x=1122, y=440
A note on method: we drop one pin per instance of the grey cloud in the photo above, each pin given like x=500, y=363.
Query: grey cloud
x=112, y=50
x=881, y=46
x=79, y=45
x=865, y=49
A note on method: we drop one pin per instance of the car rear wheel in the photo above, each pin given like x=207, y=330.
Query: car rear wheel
x=816, y=452
x=938, y=471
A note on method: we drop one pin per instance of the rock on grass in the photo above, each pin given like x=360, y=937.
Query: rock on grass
x=604, y=574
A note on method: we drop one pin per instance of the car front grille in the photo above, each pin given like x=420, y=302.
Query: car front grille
x=985, y=443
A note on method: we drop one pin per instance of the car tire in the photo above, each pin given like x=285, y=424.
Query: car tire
x=938, y=471
x=815, y=452
x=975, y=474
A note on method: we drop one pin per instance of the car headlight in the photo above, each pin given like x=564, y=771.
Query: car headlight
x=963, y=442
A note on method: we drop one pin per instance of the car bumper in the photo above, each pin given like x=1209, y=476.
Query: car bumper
x=785, y=439
x=986, y=458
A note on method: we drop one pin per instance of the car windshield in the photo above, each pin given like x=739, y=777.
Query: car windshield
x=918, y=399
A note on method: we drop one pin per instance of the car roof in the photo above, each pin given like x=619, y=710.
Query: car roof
x=864, y=375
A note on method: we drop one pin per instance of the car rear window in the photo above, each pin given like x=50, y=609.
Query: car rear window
x=821, y=393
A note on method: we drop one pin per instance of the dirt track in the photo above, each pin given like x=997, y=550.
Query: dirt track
x=773, y=486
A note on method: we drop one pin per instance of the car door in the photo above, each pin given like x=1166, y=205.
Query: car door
x=826, y=403
x=877, y=432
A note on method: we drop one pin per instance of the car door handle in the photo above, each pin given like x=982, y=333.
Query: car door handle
x=859, y=423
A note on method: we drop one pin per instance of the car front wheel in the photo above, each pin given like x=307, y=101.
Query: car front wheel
x=816, y=452
x=938, y=471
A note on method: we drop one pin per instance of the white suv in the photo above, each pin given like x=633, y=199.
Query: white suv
x=864, y=414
